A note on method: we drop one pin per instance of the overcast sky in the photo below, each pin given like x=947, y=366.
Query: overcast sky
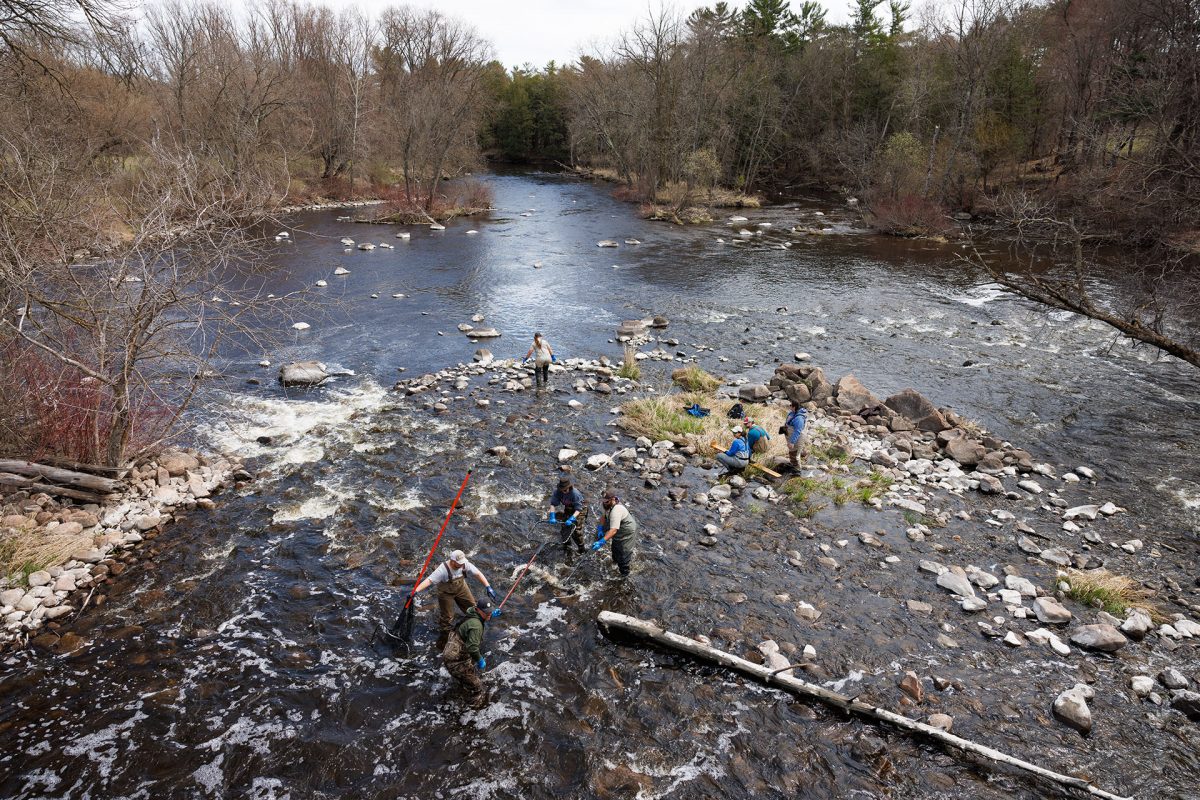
x=538, y=31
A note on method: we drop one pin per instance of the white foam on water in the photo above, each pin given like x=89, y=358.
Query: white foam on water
x=101, y=747
x=484, y=718
x=210, y=776
x=312, y=508
x=407, y=500
x=489, y=497
x=268, y=789
x=488, y=788
x=980, y=296
x=44, y=778
x=288, y=422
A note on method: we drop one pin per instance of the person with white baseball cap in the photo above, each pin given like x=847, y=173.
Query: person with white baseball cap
x=451, y=581
x=737, y=457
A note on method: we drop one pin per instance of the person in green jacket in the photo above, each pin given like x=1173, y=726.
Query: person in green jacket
x=461, y=655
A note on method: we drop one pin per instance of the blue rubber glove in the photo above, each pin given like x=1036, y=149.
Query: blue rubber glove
x=553, y=358
x=599, y=530
x=599, y=543
x=553, y=518
x=496, y=613
x=570, y=520
x=491, y=592
x=481, y=663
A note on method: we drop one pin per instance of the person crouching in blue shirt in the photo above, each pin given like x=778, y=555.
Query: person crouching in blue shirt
x=737, y=457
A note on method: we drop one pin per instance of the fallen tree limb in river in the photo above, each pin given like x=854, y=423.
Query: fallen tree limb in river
x=648, y=630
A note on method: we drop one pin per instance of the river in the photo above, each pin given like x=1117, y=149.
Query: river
x=239, y=661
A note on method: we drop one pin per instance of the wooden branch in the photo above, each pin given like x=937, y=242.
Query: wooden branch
x=80, y=480
x=23, y=482
x=643, y=629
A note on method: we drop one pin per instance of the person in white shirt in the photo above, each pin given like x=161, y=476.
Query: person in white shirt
x=451, y=581
x=619, y=527
x=542, y=356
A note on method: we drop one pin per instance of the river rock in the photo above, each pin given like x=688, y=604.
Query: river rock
x=956, y=584
x=753, y=392
x=301, y=373
x=1087, y=512
x=1022, y=585
x=1031, y=486
x=1137, y=624
x=1187, y=702
x=911, y=404
x=965, y=451
x=940, y=721
x=65, y=583
x=483, y=356
x=1142, y=685
x=972, y=604
x=852, y=395
x=1103, y=638
x=598, y=460
x=1173, y=679
x=177, y=463
x=720, y=492
x=10, y=597
x=1050, y=611
x=1071, y=707
x=39, y=578
x=566, y=454
x=484, y=333
x=910, y=684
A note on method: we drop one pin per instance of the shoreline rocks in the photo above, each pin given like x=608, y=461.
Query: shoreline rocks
x=109, y=536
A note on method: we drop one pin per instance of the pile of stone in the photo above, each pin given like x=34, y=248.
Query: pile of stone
x=176, y=481
x=451, y=385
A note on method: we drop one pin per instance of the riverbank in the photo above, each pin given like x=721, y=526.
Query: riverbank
x=61, y=557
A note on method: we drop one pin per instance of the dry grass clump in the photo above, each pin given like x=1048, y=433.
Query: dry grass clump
x=694, y=379
x=26, y=550
x=1115, y=593
x=664, y=416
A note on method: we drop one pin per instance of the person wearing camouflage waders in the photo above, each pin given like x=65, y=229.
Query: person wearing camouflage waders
x=451, y=580
x=619, y=527
x=462, y=657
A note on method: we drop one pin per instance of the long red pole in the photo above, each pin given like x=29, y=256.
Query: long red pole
x=433, y=549
x=528, y=564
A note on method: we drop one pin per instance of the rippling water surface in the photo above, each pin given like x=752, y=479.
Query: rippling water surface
x=240, y=661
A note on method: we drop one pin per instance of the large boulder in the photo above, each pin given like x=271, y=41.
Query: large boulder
x=1071, y=707
x=1102, y=637
x=965, y=451
x=630, y=328
x=924, y=414
x=754, y=392
x=1051, y=612
x=852, y=395
x=798, y=393
x=177, y=463
x=819, y=386
x=1186, y=702
x=302, y=373
x=483, y=333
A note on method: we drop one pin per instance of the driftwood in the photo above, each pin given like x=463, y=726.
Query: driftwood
x=76, y=480
x=25, y=482
x=750, y=464
x=648, y=630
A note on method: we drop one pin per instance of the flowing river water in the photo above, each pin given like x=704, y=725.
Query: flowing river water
x=238, y=660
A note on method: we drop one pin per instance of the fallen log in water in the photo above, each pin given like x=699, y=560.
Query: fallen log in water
x=648, y=630
x=25, y=482
x=75, y=480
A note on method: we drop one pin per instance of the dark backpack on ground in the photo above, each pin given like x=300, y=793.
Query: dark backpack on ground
x=737, y=412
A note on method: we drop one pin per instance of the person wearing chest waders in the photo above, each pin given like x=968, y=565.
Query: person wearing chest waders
x=452, y=589
x=619, y=527
x=737, y=457
x=542, y=357
x=756, y=436
x=793, y=428
x=574, y=513
x=461, y=655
